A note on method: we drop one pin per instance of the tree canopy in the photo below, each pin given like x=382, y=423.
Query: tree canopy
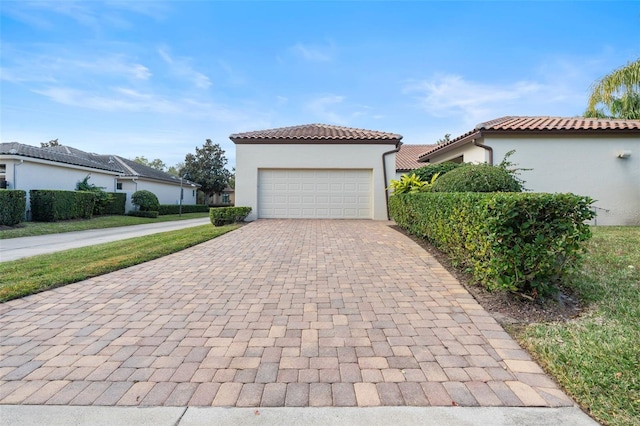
x=51, y=143
x=617, y=95
x=157, y=164
x=207, y=168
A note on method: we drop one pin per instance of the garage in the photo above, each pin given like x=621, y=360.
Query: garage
x=314, y=194
x=315, y=171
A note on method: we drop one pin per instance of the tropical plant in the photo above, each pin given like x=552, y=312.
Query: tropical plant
x=411, y=184
x=617, y=95
x=102, y=198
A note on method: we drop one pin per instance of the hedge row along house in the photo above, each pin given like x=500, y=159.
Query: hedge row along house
x=326, y=171
x=599, y=158
x=60, y=167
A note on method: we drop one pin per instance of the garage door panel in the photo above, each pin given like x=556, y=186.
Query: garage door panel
x=308, y=193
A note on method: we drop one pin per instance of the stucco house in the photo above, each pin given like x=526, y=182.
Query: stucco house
x=60, y=167
x=407, y=158
x=599, y=158
x=315, y=171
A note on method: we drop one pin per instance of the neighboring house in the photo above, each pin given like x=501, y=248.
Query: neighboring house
x=227, y=197
x=315, y=171
x=28, y=167
x=595, y=157
x=407, y=158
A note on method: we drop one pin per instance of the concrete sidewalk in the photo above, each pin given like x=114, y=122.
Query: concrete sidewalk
x=21, y=415
x=18, y=248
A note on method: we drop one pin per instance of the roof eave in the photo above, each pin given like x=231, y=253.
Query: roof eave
x=315, y=141
x=442, y=149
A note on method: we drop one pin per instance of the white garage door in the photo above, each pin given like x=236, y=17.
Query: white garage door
x=310, y=194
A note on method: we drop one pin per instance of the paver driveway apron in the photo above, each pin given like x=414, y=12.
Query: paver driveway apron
x=277, y=313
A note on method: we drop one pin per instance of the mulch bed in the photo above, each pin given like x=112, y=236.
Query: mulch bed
x=508, y=307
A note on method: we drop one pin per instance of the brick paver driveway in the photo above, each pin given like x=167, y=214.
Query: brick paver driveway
x=277, y=313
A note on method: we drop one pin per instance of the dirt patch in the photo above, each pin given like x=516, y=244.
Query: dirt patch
x=508, y=307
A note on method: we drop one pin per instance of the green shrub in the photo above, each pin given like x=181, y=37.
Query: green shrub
x=477, y=178
x=145, y=201
x=52, y=205
x=426, y=173
x=143, y=213
x=117, y=202
x=103, y=199
x=509, y=241
x=186, y=208
x=225, y=215
x=13, y=203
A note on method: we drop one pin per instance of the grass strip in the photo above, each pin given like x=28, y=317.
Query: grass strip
x=596, y=357
x=30, y=229
x=31, y=275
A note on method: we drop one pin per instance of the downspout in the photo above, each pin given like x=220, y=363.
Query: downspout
x=14, y=172
x=26, y=212
x=488, y=148
x=384, y=172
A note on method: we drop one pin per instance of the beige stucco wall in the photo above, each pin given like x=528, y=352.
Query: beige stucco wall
x=581, y=164
x=250, y=158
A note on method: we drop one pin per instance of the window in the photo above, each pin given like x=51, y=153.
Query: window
x=193, y=193
x=225, y=198
x=3, y=177
x=119, y=186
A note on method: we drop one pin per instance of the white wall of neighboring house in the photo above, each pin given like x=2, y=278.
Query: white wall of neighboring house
x=167, y=193
x=580, y=164
x=250, y=158
x=27, y=174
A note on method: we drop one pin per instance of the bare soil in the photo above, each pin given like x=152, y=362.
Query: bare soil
x=508, y=307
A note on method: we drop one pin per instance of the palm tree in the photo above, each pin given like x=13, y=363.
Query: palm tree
x=617, y=94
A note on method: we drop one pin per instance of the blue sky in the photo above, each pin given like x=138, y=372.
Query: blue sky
x=156, y=79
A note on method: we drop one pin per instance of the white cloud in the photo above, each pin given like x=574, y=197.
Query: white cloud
x=116, y=99
x=452, y=95
x=21, y=66
x=86, y=13
x=182, y=68
x=314, y=53
x=322, y=108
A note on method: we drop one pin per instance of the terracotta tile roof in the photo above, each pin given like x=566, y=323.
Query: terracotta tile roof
x=73, y=156
x=318, y=133
x=540, y=125
x=558, y=123
x=407, y=157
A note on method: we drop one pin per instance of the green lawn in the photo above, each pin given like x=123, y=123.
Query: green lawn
x=596, y=357
x=22, y=277
x=29, y=229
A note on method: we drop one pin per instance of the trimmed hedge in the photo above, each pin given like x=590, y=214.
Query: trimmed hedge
x=49, y=205
x=143, y=213
x=145, y=201
x=477, y=178
x=510, y=241
x=13, y=203
x=116, y=205
x=425, y=173
x=225, y=215
x=186, y=208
